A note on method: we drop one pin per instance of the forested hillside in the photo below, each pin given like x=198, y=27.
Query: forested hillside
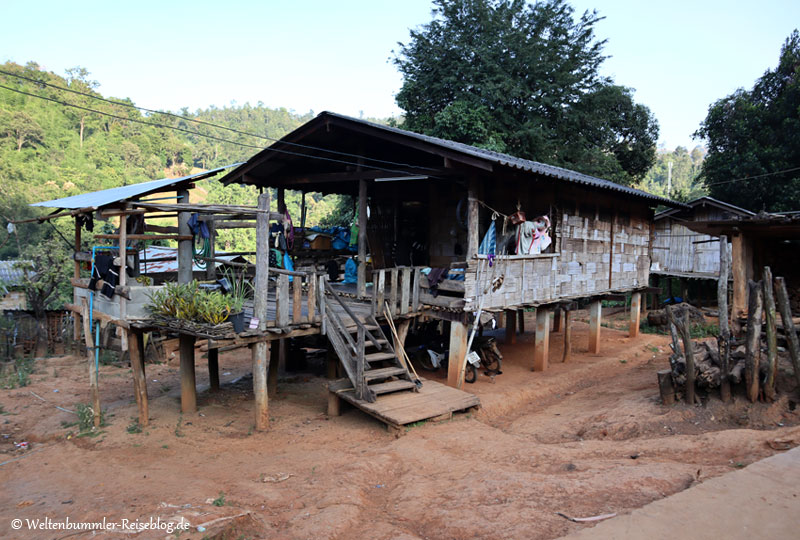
x=686, y=166
x=49, y=149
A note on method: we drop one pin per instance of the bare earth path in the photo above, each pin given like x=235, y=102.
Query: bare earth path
x=584, y=438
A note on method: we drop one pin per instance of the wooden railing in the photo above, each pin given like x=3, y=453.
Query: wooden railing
x=407, y=290
x=292, y=296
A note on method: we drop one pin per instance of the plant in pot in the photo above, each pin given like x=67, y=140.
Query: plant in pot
x=240, y=291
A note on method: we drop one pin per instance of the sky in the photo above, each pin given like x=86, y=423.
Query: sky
x=315, y=55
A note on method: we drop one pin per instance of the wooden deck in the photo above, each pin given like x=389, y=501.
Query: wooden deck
x=433, y=401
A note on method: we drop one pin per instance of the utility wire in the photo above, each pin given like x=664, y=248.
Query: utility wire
x=156, y=124
x=202, y=122
x=754, y=177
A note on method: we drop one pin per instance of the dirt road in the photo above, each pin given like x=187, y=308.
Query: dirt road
x=584, y=438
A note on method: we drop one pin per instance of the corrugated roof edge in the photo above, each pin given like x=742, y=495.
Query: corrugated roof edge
x=104, y=197
x=712, y=200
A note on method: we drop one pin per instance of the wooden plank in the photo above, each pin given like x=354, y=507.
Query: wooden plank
x=393, y=291
x=405, y=294
x=541, y=344
x=311, y=282
x=178, y=237
x=473, y=217
x=380, y=290
x=595, y=318
x=789, y=330
x=772, y=336
x=416, y=291
x=282, y=301
x=458, y=353
x=739, y=272
x=297, y=300
x=752, y=341
x=391, y=386
x=448, y=285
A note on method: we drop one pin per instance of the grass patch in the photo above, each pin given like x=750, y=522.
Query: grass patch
x=134, y=427
x=86, y=418
x=179, y=426
x=17, y=374
x=219, y=501
x=421, y=423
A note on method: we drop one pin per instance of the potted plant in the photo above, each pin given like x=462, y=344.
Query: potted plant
x=240, y=291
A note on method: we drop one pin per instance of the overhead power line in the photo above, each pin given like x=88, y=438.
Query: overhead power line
x=164, y=126
x=754, y=177
x=200, y=122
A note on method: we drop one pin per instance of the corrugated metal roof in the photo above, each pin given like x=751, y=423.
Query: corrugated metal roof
x=98, y=199
x=12, y=272
x=713, y=201
x=489, y=156
x=149, y=266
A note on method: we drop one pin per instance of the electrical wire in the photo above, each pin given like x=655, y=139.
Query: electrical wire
x=205, y=123
x=164, y=126
x=754, y=177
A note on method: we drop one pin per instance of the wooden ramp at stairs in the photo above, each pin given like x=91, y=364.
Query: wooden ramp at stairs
x=434, y=401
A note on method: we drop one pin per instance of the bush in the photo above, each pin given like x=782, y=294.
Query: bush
x=188, y=302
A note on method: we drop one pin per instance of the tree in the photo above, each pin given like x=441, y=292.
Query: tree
x=520, y=78
x=22, y=128
x=685, y=182
x=754, y=135
x=78, y=79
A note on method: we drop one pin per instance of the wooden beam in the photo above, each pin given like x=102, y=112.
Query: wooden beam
x=361, y=288
x=473, y=217
x=772, y=336
x=753, y=341
x=541, y=344
x=739, y=257
x=260, y=352
x=178, y=237
x=595, y=319
x=633, y=328
x=724, y=339
x=184, y=246
x=459, y=333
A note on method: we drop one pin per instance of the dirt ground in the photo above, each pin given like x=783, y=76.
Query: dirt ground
x=584, y=438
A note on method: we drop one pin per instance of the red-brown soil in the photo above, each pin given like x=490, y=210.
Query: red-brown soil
x=584, y=438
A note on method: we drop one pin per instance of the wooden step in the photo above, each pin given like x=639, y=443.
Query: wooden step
x=381, y=343
x=369, y=327
x=378, y=356
x=382, y=373
x=391, y=386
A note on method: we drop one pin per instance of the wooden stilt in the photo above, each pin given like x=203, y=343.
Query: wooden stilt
x=93, y=383
x=459, y=333
x=772, y=336
x=400, y=342
x=567, y=336
x=666, y=387
x=76, y=319
x=136, y=354
x=277, y=358
x=683, y=326
x=739, y=258
x=557, y=319
x=541, y=345
x=361, y=285
x=521, y=321
x=331, y=364
x=788, y=325
x=753, y=340
x=633, y=329
x=188, y=384
x=511, y=327
x=595, y=318
x=260, y=352
x=334, y=404
x=213, y=368
x=724, y=340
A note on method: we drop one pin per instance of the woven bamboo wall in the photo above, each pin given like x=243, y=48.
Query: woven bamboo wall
x=584, y=265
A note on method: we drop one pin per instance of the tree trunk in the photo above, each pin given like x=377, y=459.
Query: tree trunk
x=41, y=336
x=724, y=339
x=753, y=340
x=772, y=337
x=788, y=325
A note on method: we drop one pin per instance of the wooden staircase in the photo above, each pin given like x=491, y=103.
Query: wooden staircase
x=364, y=351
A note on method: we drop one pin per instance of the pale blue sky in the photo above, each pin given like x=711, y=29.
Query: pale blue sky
x=318, y=55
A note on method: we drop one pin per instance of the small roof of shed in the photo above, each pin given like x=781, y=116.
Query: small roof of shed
x=706, y=200
x=98, y=199
x=301, y=144
x=13, y=272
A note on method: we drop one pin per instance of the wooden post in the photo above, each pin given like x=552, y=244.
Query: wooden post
x=666, y=387
x=520, y=321
x=595, y=318
x=788, y=325
x=511, y=327
x=311, y=281
x=76, y=319
x=473, y=218
x=753, y=340
x=136, y=354
x=188, y=383
x=123, y=277
x=541, y=344
x=557, y=319
x=724, y=327
x=277, y=357
x=211, y=266
x=261, y=349
x=303, y=211
x=740, y=277
x=393, y=292
x=400, y=341
x=331, y=364
x=772, y=336
x=405, y=289
x=636, y=300
x=282, y=301
x=361, y=289
x=459, y=333
x=297, y=299
x=93, y=385
x=416, y=290
x=184, y=246
x=683, y=327
x=567, y=336
x=213, y=367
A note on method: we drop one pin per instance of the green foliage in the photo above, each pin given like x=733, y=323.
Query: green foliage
x=85, y=414
x=219, y=501
x=520, y=78
x=757, y=132
x=188, y=302
x=17, y=374
x=134, y=427
x=241, y=289
x=686, y=168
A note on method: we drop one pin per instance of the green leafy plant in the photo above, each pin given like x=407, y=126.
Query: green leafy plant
x=85, y=414
x=18, y=374
x=188, y=302
x=134, y=427
x=241, y=289
x=219, y=501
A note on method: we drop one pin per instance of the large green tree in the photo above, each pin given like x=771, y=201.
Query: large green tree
x=520, y=78
x=754, y=134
